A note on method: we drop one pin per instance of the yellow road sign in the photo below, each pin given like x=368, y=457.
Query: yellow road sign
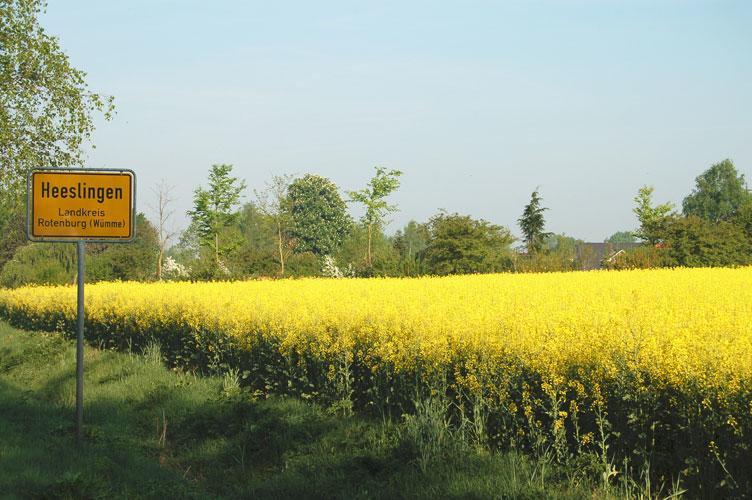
x=77, y=204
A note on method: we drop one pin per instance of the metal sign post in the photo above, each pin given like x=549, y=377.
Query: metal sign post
x=77, y=205
x=81, y=255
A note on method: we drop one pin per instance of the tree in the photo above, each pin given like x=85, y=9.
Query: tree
x=621, y=237
x=560, y=253
x=350, y=254
x=40, y=263
x=214, y=208
x=164, y=213
x=743, y=218
x=653, y=220
x=459, y=244
x=561, y=243
x=55, y=263
x=410, y=243
x=273, y=202
x=532, y=224
x=258, y=253
x=718, y=193
x=133, y=261
x=320, y=220
x=373, y=197
x=695, y=242
x=46, y=108
x=12, y=226
x=188, y=247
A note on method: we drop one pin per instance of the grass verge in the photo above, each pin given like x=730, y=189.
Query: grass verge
x=151, y=432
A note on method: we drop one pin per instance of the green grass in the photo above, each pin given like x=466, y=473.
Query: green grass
x=152, y=433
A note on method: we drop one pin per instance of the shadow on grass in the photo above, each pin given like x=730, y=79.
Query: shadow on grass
x=165, y=446
x=154, y=433
x=38, y=456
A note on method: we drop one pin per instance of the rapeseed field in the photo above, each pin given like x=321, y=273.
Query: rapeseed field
x=658, y=363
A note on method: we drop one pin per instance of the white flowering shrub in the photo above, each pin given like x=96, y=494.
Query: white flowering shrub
x=331, y=270
x=173, y=270
x=223, y=268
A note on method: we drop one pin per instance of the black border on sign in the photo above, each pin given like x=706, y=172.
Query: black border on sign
x=81, y=171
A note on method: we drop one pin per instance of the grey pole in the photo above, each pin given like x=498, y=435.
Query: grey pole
x=80, y=346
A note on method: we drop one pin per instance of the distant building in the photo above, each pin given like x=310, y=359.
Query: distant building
x=597, y=255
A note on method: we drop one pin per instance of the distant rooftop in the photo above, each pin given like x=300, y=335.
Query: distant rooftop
x=592, y=255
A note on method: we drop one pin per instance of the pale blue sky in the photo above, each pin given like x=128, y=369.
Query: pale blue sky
x=478, y=102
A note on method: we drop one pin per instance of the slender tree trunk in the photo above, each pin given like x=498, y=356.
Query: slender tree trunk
x=281, y=252
x=410, y=258
x=159, y=263
x=370, y=232
x=216, y=248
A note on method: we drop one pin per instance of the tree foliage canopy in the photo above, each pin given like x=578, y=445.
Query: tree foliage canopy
x=718, y=193
x=653, y=219
x=373, y=198
x=621, y=237
x=46, y=110
x=412, y=239
x=695, y=242
x=45, y=104
x=532, y=223
x=459, y=244
x=215, y=207
x=320, y=220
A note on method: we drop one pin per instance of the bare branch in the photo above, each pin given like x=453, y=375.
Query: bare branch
x=163, y=210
